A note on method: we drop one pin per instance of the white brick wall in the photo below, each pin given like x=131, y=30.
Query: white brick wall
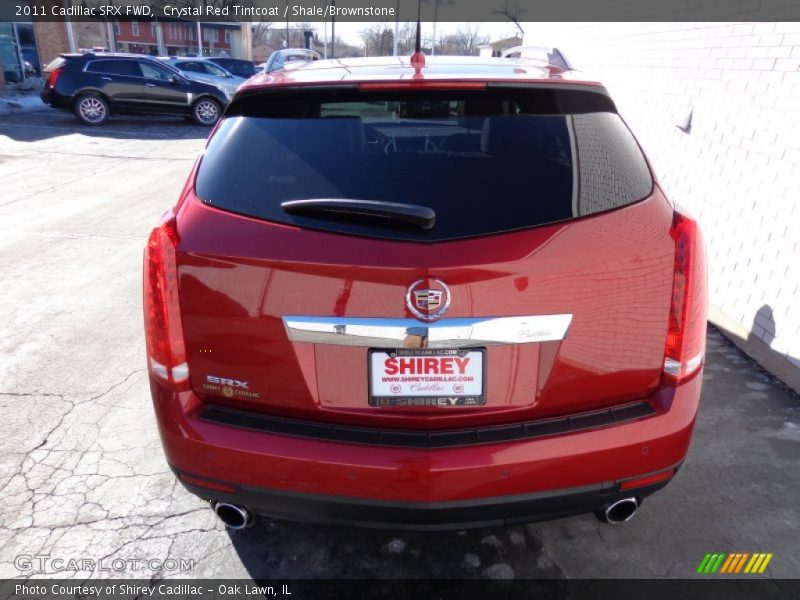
x=738, y=170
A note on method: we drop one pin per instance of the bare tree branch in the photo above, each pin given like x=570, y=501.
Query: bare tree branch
x=512, y=12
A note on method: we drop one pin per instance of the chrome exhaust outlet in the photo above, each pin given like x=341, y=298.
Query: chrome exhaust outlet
x=233, y=515
x=620, y=511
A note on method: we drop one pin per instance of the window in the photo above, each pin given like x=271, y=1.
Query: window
x=517, y=158
x=212, y=69
x=227, y=37
x=128, y=68
x=153, y=30
x=191, y=67
x=116, y=28
x=151, y=71
x=209, y=34
x=135, y=28
x=241, y=68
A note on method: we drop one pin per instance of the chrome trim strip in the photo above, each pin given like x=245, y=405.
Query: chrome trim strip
x=457, y=332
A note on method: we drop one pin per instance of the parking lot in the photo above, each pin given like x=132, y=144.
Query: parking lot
x=81, y=469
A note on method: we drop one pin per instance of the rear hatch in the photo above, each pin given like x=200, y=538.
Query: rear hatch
x=547, y=263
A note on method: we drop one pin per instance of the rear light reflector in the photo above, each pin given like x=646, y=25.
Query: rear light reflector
x=649, y=480
x=686, y=335
x=51, y=80
x=166, y=351
x=205, y=483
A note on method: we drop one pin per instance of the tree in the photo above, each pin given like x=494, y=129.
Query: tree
x=406, y=38
x=463, y=42
x=378, y=40
x=261, y=32
x=512, y=12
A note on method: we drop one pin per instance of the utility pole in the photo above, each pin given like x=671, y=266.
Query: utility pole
x=287, y=23
x=199, y=34
x=73, y=47
x=112, y=43
x=333, y=29
x=435, y=17
x=396, y=25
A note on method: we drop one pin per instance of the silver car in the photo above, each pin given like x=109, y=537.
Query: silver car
x=552, y=56
x=280, y=58
x=201, y=69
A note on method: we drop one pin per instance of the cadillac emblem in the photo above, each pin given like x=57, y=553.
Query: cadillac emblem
x=428, y=298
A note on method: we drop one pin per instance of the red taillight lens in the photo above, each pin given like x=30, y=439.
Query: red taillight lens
x=51, y=81
x=212, y=485
x=686, y=336
x=166, y=351
x=649, y=480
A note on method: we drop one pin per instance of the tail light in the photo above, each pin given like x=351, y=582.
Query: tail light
x=166, y=350
x=51, y=80
x=686, y=337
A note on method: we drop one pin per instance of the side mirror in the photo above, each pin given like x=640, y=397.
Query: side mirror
x=176, y=79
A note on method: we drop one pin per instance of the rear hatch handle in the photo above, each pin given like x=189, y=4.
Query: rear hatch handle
x=414, y=214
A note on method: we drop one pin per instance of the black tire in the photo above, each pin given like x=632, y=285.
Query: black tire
x=91, y=109
x=206, y=111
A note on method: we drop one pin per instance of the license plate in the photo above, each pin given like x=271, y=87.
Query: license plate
x=427, y=377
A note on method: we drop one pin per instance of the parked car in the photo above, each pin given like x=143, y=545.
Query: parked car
x=236, y=66
x=94, y=86
x=202, y=69
x=280, y=58
x=367, y=310
x=552, y=56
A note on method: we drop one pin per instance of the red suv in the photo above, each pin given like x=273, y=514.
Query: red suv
x=427, y=297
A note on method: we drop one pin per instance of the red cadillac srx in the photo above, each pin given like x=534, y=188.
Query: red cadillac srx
x=424, y=295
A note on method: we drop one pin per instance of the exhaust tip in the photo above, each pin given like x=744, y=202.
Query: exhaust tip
x=620, y=511
x=233, y=515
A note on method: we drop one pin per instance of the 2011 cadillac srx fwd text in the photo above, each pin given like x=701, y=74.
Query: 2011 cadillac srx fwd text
x=427, y=294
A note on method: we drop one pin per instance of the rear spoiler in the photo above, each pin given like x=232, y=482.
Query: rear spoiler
x=563, y=97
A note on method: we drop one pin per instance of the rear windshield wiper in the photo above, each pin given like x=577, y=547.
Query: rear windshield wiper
x=421, y=216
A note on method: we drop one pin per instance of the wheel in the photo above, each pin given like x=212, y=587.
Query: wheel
x=91, y=109
x=206, y=111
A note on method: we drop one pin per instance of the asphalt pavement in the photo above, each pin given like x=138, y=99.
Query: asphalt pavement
x=83, y=477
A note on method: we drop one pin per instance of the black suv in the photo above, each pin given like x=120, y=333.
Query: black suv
x=96, y=85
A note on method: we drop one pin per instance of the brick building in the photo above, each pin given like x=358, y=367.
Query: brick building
x=179, y=38
x=717, y=108
x=497, y=47
x=52, y=39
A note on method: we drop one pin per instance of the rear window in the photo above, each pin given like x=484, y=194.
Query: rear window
x=56, y=63
x=485, y=161
x=242, y=68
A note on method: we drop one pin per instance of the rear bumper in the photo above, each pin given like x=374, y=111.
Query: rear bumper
x=425, y=488
x=53, y=98
x=425, y=516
